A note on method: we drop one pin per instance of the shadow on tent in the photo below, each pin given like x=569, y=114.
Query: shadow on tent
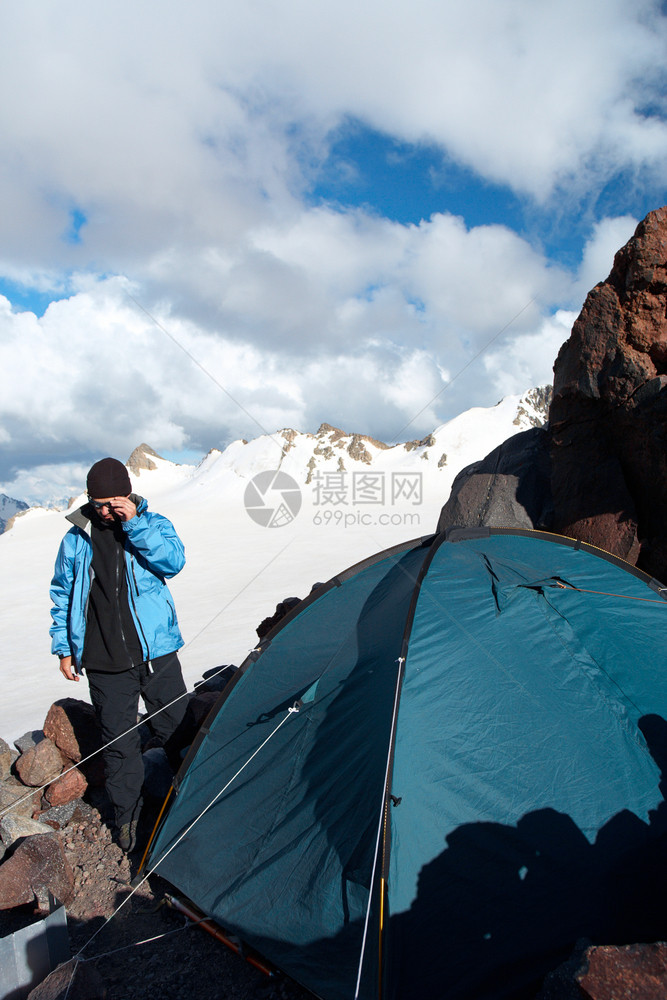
x=503, y=905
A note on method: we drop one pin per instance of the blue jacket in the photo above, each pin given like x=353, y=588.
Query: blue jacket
x=153, y=552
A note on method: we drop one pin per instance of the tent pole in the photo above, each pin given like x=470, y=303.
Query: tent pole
x=153, y=831
x=215, y=931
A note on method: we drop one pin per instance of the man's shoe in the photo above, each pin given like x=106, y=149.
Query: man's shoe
x=127, y=836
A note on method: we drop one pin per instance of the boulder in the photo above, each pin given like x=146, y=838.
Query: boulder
x=282, y=608
x=29, y=740
x=40, y=764
x=510, y=488
x=71, y=724
x=608, y=416
x=57, y=817
x=13, y=828
x=37, y=867
x=634, y=972
x=18, y=799
x=67, y=788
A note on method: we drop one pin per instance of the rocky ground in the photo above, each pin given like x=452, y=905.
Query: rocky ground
x=129, y=943
x=133, y=945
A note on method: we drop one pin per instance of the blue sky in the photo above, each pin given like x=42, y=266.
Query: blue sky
x=231, y=220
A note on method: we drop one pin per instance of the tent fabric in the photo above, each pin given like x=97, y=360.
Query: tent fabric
x=524, y=807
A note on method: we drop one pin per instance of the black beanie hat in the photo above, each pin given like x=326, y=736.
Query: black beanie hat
x=108, y=478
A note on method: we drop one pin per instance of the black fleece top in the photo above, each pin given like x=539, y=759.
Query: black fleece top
x=111, y=642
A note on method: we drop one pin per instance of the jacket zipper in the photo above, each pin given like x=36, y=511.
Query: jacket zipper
x=120, y=554
x=130, y=559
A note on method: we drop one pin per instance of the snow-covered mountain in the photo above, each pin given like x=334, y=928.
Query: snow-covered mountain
x=9, y=507
x=261, y=521
x=438, y=457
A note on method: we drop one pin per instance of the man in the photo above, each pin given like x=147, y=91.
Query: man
x=113, y=616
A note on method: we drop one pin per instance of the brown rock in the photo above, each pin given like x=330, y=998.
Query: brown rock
x=67, y=788
x=72, y=726
x=74, y=980
x=634, y=972
x=5, y=760
x=608, y=416
x=37, y=866
x=41, y=764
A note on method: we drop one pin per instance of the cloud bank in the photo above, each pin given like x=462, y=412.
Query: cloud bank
x=157, y=170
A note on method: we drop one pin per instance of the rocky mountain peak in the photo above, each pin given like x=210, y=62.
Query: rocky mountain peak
x=609, y=411
x=598, y=470
x=142, y=458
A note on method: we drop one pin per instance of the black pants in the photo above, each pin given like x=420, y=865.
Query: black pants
x=115, y=697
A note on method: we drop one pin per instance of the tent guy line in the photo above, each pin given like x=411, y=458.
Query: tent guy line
x=185, y=694
x=237, y=595
x=291, y=711
x=137, y=944
x=203, y=368
x=99, y=750
x=564, y=779
x=254, y=419
x=621, y=597
x=380, y=838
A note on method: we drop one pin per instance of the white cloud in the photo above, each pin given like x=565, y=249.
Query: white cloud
x=528, y=359
x=51, y=483
x=166, y=124
x=187, y=138
x=607, y=237
x=364, y=333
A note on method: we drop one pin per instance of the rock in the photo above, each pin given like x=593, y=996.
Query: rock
x=72, y=980
x=58, y=817
x=18, y=798
x=13, y=828
x=608, y=415
x=142, y=458
x=69, y=787
x=634, y=972
x=39, y=765
x=510, y=488
x=72, y=725
x=29, y=740
x=37, y=866
x=5, y=760
x=560, y=984
x=216, y=679
x=283, y=608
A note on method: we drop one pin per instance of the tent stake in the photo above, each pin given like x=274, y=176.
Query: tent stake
x=216, y=932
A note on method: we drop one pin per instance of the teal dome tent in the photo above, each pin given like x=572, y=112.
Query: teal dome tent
x=438, y=772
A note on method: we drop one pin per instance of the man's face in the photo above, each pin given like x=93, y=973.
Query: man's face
x=104, y=507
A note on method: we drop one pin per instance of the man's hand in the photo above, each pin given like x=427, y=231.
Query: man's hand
x=66, y=668
x=123, y=508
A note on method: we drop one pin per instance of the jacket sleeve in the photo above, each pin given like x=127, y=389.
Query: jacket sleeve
x=61, y=595
x=154, y=538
